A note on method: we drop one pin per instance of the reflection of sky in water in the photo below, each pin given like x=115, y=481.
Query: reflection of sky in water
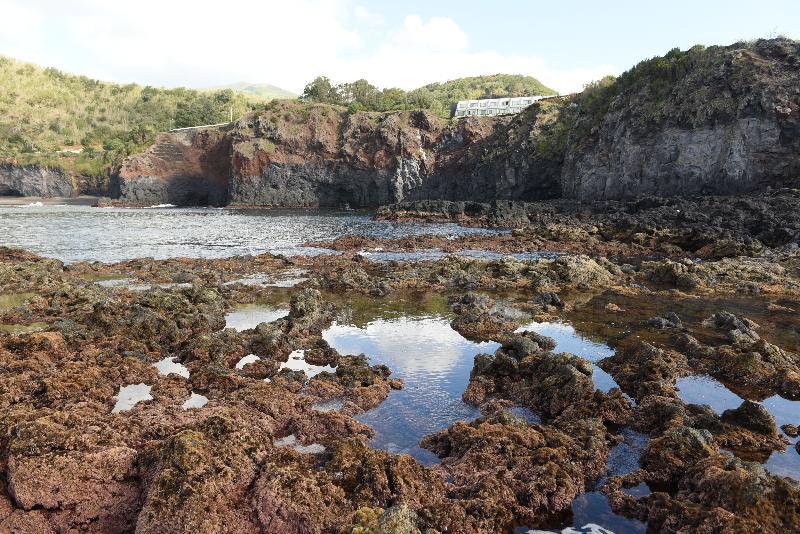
x=251, y=315
x=435, y=362
x=707, y=390
x=592, y=508
x=250, y=358
x=128, y=396
x=624, y=458
x=436, y=254
x=168, y=366
x=297, y=362
x=568, y=340
x=195, y=401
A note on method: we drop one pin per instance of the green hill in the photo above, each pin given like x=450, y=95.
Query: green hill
x=261, y=90
x=488, y=86
x=86, y=126
x=44, y=110
x=437, y=97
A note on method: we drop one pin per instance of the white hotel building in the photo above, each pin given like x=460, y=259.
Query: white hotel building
x=494, y=106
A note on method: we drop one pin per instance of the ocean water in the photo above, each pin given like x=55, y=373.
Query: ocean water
x=75, y=233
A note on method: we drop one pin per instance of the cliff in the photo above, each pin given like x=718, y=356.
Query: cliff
x=185, y=168
x=718, y=120
x=35, y=181
x=296, y=154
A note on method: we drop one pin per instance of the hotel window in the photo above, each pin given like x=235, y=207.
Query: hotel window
x=504, y=103
x=473, y=104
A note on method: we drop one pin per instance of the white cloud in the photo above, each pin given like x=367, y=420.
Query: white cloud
x=285, y=42
x=364, y=15
x=438, y=34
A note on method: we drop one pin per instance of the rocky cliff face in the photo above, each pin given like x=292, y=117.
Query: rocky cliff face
x=295, y=154
x=721, y=120
x=183, y=168
x=34, y=181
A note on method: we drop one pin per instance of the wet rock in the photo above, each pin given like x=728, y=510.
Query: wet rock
x=510, y=469
x=642, y=369
x=667, y=457
x=748, y=361
x=525, y=372
x=215, y=463
x=548, y=298
x=752, y=416
x=669, y=320
x=398, y=519
x=481, y=318
x=81, y=489
x=791, y=430
x=583, y=270
x=738, y=329
x=679, y=274
x=724, y=494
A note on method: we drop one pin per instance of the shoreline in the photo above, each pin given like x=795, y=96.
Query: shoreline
x=83, y=200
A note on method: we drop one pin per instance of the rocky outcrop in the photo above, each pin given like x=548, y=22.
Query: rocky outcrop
x=34, y=181
x=721, y=120
x=707, y=121
x=189, y=167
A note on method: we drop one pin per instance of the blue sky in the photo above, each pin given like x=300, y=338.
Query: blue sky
x=203, y=42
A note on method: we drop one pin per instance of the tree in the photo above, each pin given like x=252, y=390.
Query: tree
x=320, y=90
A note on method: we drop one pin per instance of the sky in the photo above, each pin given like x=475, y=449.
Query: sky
x=406, y=44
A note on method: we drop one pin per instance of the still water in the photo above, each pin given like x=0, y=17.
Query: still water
x=75, y=233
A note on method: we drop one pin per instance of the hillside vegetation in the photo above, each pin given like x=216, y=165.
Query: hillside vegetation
x=360, y=95
x=44, y=110
x=261, y=90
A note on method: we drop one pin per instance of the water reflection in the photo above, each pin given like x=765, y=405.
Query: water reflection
x=593, y=510
x=195, y=401
x=168, y=366
x=249, y=316
x=707, y=390
x=128, y=396
x=435, y=362
x=568, y=340
x=297, y=362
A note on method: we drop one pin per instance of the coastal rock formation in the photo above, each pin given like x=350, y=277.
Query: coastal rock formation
x=707, y=121
x=34, y=181
x=718, y=120
x=188, y=167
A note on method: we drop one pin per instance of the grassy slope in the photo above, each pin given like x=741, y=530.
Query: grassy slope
x=43, y=110
x=261, y=90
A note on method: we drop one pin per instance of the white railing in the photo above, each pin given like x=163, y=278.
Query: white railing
x=199, y=127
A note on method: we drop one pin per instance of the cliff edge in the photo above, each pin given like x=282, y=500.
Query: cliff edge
x=706, y=121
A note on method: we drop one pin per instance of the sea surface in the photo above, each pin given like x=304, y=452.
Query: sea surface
x=82, y=233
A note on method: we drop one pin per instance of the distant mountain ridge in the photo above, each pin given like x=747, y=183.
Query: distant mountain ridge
x=262, y=90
